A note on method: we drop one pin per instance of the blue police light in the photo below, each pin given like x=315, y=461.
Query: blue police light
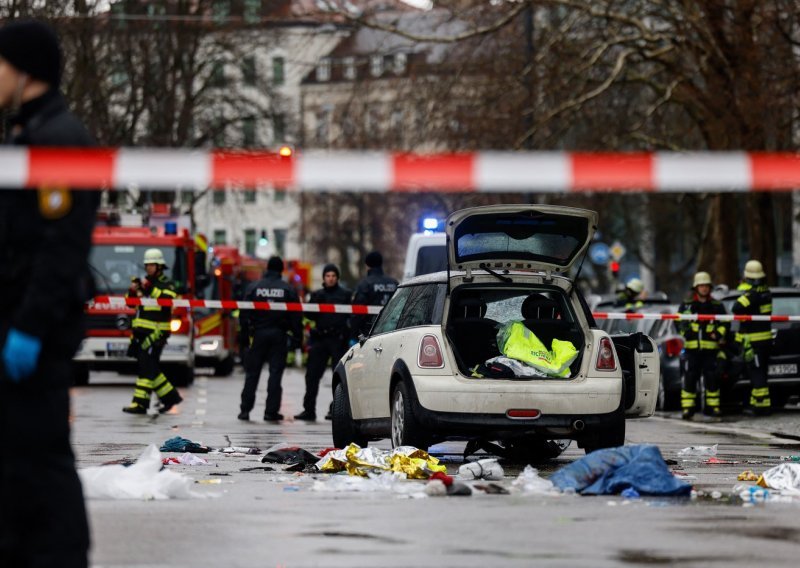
x=430, y=223
x=170, y=228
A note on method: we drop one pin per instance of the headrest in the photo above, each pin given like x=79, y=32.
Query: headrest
x=538, y=306
x=470, y=307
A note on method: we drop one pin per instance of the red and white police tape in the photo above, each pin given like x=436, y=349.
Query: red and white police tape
x=385, y=171
x=117, y=302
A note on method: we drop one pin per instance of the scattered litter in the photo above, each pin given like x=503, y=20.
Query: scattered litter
x=325, y=452
x=790, y=458
x=178, y=444
x=239, y=450
x=487, y=469
x=144, y=479
x=286, y=454
x=698, y=451
x=257, y=468
x=385, y=482
x=435, y=488
x=784, y=478
x=209, y=481
x=630, y=493
x=752, y=493
x=748, y=475
x=185, y=459
x=492, y=489
x=717, y=461
x=610, y=471
x=529, y=482
x=415, y=463
x=459, y=489
x=716, y=495
x=302, y=467
x=443, y=477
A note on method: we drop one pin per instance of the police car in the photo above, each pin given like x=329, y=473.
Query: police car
x=434, y=366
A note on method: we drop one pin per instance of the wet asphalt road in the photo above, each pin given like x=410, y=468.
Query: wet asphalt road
x=264, y=519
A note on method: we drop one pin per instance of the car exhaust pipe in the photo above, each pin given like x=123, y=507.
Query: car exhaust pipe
x=578, y=425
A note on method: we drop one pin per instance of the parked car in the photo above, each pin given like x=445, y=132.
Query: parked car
x=412, y=379
x=666, y=337
x=783, y=373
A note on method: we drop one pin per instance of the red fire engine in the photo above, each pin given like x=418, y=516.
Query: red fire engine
x=116, y=257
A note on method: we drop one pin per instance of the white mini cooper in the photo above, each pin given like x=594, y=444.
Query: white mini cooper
x=428, y=371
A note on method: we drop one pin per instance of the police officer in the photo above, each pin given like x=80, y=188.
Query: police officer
x=702, y=341
x=45, y=238
x=629, y=297
x=150, y=331
x=374, y=290
x=755, y=337
x=328, y=337
x=270, y=334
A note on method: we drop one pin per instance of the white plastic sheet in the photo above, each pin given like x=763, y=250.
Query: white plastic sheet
x=529, y=483
x=386, y=482
x=487, y=469
x=784, y=478
x=698, y=451
x=143, y=480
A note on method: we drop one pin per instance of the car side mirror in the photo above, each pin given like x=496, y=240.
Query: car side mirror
x=361, y=338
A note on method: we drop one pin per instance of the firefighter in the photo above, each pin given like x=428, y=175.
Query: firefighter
x=755, y=337
x=630, y=296
x=328, y=337
x=271, y=333
x=45, y=238
x=702, y=342
x=150, y=331
x=375, y=289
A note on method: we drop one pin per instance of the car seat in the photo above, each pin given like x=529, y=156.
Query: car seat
x=542, y=315
x=474, y=336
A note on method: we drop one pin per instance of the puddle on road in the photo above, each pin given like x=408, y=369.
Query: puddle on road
x=647, y=557
x=355, y=535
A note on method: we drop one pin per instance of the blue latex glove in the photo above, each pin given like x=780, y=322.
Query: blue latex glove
x=20, y=354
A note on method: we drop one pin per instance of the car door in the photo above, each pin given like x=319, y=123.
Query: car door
x=369, y=368
x=647, y=372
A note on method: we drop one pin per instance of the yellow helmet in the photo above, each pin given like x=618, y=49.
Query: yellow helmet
x=154, y=256
x=753, y=270
x=701, y=278
x=635, y=285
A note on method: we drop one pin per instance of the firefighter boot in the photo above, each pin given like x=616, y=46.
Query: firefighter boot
x=135, y=409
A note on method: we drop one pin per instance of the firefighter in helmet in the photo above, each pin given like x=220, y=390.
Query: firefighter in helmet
x=755, y=337
x=702, y=342
x=630, y=296
x=150, y=331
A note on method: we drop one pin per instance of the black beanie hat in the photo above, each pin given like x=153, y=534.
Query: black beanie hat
x=374, y=259
x=32, y=47
x=275, y=264
x=330, y=268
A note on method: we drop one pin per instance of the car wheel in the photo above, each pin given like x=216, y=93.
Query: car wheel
x=611, y=434
x=225, y=367
x=345, y=430
x=405, y=430
x=667, y=400
x=80, y=374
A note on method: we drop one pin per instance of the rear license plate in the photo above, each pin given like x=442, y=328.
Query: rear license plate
x=116, y=349
x=782, y=369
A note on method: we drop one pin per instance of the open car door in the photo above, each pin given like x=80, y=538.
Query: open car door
x=641, y=369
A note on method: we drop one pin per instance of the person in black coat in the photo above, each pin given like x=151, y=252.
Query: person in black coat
x=270, y=333
x=375, y=289
x=328, y=340
x=45, y=239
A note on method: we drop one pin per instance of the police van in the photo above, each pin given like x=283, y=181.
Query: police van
x=426, y=253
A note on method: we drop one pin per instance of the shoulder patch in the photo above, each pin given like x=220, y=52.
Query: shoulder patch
x=54, y=203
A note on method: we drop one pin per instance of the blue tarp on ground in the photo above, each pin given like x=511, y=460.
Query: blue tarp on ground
x=611, y=471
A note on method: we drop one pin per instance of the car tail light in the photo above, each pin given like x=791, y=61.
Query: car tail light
x=605, y=356
x=430, y=354
x=673, y=347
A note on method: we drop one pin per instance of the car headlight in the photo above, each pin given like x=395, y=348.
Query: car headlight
x=175, y=325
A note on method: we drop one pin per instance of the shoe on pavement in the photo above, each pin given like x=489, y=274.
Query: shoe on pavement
x=244, y=416
x=750, y=411
x=275, y=417
x=306, y=415
x=687, y=415
x=135, y=409
x=168, y=405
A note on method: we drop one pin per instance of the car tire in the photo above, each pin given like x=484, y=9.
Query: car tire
x=667, y=400
x=345, y=430
x=225, y=367
x=610, y=434
x=80, y=374
x=405, y=429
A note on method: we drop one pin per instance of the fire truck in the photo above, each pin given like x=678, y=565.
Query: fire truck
x=116, y=257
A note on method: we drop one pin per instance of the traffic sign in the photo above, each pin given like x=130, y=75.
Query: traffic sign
x=617, y=250
x=599, y=253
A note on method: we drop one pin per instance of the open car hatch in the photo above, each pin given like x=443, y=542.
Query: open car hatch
x=519, y=237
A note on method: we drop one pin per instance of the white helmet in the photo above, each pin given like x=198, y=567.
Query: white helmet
x=753, y=270
x=635, y=285
x=154, y=256
x=701, y=278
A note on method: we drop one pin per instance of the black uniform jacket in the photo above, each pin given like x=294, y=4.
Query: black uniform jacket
x=45, y=238
x=374, y=290
x=271, y=288
x=330, y=324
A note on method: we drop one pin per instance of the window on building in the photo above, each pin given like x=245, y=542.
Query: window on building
x=219, y=196
x=324, y=70
x=218, y=74
x=249, y=70
x=220, y=236
x=349, y=64
x=252, y=11
x=400, y=63
x=376, y=65
x=249, y=131
x=278, y=70
x=249, y=195
x=250, y=241
x=280, y=241
x=221, y=11
x=278, y=128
